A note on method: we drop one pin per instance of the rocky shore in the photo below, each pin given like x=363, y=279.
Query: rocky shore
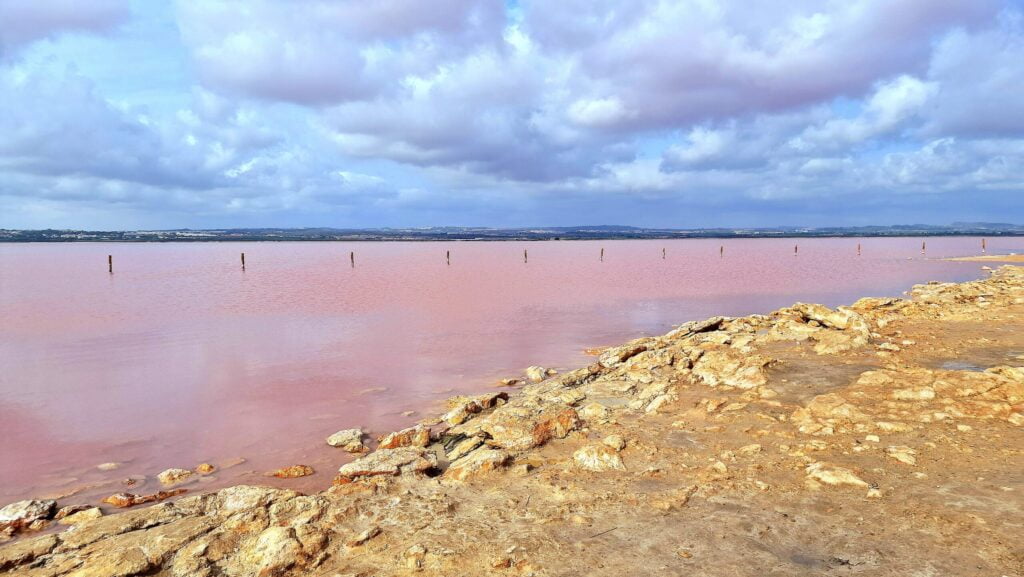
x=883, y=438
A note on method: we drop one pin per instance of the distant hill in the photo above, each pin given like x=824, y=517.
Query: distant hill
x=486, y=233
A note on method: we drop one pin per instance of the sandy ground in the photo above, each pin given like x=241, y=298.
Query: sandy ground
x=882, y=439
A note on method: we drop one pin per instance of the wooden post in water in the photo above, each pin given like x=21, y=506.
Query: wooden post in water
x=352, y=258
x=525, y=258
x=721, y=251
x=796, y=249
x=602, y=254
x=662, y=253
x=858, y=249
x=110, y=263
x=448, y=256
x=982, y=245
x=243, y=261
x=923, y=247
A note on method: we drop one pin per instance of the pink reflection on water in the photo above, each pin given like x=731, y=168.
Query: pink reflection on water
x=180, y=357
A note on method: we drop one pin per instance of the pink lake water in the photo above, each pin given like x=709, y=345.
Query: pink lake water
x=180, y=357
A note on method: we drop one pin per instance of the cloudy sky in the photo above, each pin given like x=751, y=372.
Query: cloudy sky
x=687, y=113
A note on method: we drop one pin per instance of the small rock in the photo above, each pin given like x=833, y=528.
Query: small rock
x=751, y=449
x=595, y=412
x=501, y=562
x=902, y=454
x=70, y=510
x=418, y=436
x=174, y=476
x=22, y=514
x=536, y=374
x=833, y=475
x=874, y=493
x=477, y=463
x=872, y=438
x=123, y=500
x=108, y=466
x=205, y=469
x=80, y=516
x=414, y=557
x=615, y=442
x=350, y=440
x=598, y=458
x=964, y=428
x=388, y=462
x=364, y=536
x=293, y=472
x=463, y=448
x=508, y=382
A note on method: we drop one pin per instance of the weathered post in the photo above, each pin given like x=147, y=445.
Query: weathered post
x=525, y=257
x=662, y=253
x=923, y=247
x=982, y=245
x=110, y=263
x=352, y=258
x=243, y=261
x=602, y=254
x=721, y=251
x=858, y=249
x=796, y=249
x=448, y=256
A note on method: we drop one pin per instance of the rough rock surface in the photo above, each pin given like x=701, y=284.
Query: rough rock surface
x=780, y=444
x=350, y=440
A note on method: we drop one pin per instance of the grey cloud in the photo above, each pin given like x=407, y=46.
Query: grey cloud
x=22, y=22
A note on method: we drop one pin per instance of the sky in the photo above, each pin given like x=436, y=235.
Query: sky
x=408, y=113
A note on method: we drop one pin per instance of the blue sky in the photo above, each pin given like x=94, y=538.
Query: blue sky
x=690, y=113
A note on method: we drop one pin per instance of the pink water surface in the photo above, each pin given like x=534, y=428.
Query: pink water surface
x=180, y=357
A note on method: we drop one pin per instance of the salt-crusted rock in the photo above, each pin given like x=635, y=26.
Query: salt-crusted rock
x=205, y=469
x=123, y=500
x=833, y=475
x=389, y=462
x=616, y=355
x=893, y=427
x=418, y=436
x=22, y=514
x=174, y=476
x=461, y=447
x=731, y=368
x=751, y=449
x=293, y=472
x=521, y=428
x=80, y=516
x=350, y=440
x=902, y=454
x=477, y=463
x=364, y=536
x=615, y=442
x=595, y=412
x=536, y=374
x=274, y=551
x=463, y=408
x=598, y=458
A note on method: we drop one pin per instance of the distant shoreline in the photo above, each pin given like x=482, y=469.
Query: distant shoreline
x=476, y=234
